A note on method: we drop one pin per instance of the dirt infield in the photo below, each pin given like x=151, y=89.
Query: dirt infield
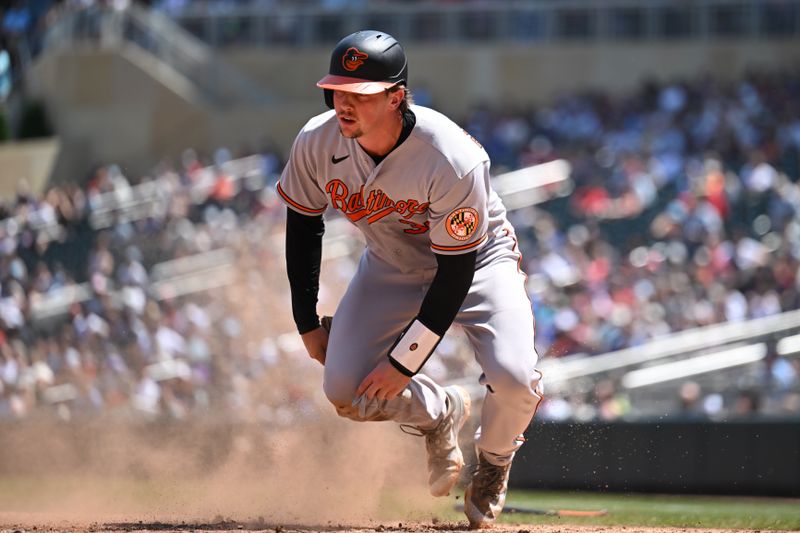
x=414, y=527
x=330, y=476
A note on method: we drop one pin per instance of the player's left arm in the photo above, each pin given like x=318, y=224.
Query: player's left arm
x=455, y=239
x=438, y=310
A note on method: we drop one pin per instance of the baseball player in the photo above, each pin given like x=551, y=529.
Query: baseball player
x=439, y=249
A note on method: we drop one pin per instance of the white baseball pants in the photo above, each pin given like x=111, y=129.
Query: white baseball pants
x=498, y=321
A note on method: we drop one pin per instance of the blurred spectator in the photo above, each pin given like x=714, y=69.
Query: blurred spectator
x=690, y=401
x=611, y=405
x=16, y=24
x=5, y=74
x=747, y=404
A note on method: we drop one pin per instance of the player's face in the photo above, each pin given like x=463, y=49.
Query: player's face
x=361, y=114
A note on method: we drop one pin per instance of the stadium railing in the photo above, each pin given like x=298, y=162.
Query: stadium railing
x=539, y=22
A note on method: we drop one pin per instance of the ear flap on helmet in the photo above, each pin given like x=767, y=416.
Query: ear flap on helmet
x=328, y=97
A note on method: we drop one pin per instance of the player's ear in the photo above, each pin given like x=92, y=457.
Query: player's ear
x=396, y=95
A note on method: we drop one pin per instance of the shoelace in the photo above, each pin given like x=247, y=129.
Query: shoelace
x=434, y=438
x=489, y=477
x=414, y=430
x=436, y=432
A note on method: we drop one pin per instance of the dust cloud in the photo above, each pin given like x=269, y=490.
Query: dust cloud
x=330, y=472
x=326, y=470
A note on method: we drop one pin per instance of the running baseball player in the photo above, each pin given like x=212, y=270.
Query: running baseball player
x=439, y=249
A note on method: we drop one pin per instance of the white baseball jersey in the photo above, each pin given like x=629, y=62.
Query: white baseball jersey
x=432, y=193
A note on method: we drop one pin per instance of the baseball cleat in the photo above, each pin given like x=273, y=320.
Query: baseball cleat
x=486, y=493
x=445, y=459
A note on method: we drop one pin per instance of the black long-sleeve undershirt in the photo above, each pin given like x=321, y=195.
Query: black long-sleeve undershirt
x=303, y=259
x=446, y=294
x=439, y=308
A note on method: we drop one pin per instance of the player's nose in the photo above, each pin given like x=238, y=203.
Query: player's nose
x=342, y=99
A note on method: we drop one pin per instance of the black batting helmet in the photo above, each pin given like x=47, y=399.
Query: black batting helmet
x=365, y=62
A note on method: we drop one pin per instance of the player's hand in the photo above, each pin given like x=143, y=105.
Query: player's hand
x=316, y=343
x=385, y=382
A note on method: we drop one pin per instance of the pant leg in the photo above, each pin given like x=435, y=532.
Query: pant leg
x=498, y=320
x=378, y=304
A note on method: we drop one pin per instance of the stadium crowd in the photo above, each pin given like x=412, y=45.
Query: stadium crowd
x=708, y=171
x=685, y=213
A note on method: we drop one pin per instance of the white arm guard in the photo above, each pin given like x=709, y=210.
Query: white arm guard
x=413, y=347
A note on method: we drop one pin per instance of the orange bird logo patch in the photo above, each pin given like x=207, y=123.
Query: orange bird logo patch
x=353, y=58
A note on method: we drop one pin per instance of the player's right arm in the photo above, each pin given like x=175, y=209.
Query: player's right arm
x=305, y=202
x=303, y=260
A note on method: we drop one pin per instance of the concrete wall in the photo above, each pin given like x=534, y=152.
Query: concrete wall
x=31, y=161
x=460, y=76
x=106, y=107
x=129, y=108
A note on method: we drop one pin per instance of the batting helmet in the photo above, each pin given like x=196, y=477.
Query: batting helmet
x=365, y=62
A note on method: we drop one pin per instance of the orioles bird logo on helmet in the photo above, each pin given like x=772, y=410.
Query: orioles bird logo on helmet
x=353, y=58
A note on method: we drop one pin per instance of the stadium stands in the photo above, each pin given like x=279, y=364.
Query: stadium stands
x=139, y=326
x=162, y=296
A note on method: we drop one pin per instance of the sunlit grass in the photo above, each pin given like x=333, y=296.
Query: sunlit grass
x=656, y=510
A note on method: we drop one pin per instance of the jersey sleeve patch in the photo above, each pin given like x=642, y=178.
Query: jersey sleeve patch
x=462, y=223
x=297, y=206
